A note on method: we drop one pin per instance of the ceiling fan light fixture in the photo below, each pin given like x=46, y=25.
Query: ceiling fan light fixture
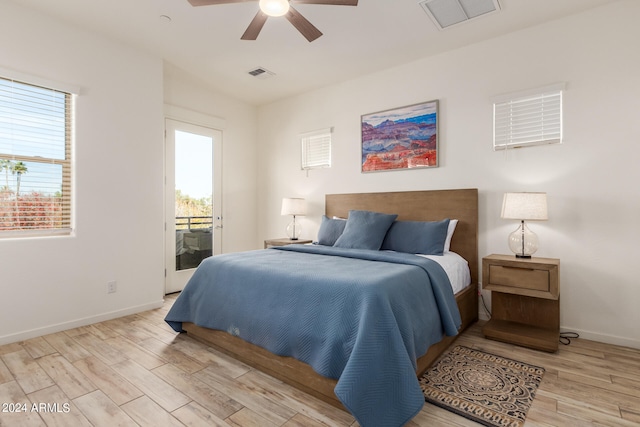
x=274, y=7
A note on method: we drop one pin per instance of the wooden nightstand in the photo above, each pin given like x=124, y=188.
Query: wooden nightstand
x=284, y=242
x=525, y=300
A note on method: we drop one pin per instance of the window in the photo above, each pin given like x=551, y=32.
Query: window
x=35, y=159
x=316, y=149
x=528, y=118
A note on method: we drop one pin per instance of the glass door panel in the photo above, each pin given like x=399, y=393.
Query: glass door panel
x=193, y=198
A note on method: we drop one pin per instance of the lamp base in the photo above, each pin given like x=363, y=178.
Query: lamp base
x=293, y=229
x=523, y=242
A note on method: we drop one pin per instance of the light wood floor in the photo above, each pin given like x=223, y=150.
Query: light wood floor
x=137, y=371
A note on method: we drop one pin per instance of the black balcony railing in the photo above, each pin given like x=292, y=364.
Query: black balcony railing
x=193, y=222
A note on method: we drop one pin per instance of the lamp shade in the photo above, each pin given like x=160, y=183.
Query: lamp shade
x=525, y=206
x=293, y=206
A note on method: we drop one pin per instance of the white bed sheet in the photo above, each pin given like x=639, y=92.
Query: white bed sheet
x=456, y=267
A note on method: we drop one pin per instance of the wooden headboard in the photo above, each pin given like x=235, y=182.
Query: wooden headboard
x=422, y=206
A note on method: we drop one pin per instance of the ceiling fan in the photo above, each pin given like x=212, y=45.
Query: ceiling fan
x=279, y=8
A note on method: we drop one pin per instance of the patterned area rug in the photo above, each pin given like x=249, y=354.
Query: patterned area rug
x=489, y=389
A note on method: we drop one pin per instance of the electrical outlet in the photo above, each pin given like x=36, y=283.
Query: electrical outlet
x=112, y=287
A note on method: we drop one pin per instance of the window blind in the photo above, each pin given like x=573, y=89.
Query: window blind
x=528, y=118
x=316, y=149
x=36, y=129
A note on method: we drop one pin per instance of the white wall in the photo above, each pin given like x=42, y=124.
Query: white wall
x=49, y=284
x=591, y=179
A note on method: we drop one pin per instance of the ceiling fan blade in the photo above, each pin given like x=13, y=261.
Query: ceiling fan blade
x=212, y=2
x=255, y=26
x=330, y=2
x=306, y=28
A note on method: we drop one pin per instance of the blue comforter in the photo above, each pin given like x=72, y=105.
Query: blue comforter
x=359, y=316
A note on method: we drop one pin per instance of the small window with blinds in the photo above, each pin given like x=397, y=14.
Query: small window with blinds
x=528, y=118
x=316, y=149
x=35, y=160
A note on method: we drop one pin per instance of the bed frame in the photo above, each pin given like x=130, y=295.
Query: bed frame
x=409, y=205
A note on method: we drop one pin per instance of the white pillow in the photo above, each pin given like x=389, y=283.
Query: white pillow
x=450, y=230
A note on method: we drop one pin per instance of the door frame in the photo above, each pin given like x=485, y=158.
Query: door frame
x=186, y=119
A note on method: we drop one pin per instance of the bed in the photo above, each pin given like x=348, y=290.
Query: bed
x=353, y=392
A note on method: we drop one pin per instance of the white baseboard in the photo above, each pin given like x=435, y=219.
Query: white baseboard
x=38, y=332
x=607, y=339
x=587, y=335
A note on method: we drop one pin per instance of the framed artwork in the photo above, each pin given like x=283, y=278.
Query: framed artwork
x=401, y=138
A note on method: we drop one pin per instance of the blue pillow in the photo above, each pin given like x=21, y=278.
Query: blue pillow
x=417, y=237
x=330, y=230
x=365, y=230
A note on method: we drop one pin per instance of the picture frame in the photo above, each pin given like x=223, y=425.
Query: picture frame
x=400, y=138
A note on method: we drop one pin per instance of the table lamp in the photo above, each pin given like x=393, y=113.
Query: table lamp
x=294, y=206
x=524, y=206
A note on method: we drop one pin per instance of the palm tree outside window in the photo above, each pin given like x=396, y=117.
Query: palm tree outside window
x=19, y=169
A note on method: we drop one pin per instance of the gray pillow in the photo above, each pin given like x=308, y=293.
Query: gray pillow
x=330, y=230
x=417, y=237
x=365, y=230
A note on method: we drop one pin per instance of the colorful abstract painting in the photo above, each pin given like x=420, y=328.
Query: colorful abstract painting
x=402, y=138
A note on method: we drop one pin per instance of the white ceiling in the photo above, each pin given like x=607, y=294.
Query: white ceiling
x=377, y=34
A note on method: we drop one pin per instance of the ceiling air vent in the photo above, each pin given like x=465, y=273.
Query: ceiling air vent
x=261, y=73
x=446, y=13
